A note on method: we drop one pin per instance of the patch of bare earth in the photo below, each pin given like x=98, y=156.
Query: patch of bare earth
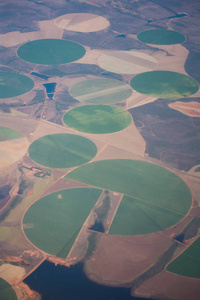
x=169, y=285
x=191, y=109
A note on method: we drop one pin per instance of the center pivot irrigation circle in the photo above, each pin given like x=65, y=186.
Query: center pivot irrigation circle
x=161, y=37
x=101, y=91
x=164, y=84
x=51, y=51
x=97, y=119
x=13, y=84
x=62, y=150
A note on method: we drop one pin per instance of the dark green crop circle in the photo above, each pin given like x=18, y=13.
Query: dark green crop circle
x=161, y=37
x=51, y=51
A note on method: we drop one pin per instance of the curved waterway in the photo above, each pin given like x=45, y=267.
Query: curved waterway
x=62, y=283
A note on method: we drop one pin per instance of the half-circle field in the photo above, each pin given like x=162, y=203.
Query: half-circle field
x=97, y=119
x=82, y=22
x=53, y=223
x=161, y=37
x=62, y=150
x=100, y=91
x=126, y=62
x=14, y=84
x=164, y=84
x=13, y=145
x=51, y=51
x=154, y=198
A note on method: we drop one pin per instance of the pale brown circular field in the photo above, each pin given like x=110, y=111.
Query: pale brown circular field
x=12, y=150
x=82, y=22
x=127, y=62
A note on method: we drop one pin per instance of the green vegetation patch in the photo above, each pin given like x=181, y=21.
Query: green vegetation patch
x=188, y=263
x=8, y=134
x=51, y=51
x=53, y=223
x=97, y=119
x=164, y=84
x=6, y=291
x=62, y=150
x=13, y=84
x=161, y=37
x=156, y=188
x=101, y=91
x=137, y=217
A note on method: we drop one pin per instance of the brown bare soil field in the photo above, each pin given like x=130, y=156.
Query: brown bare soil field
x=82, y=22
x=170, y=285
x=25, y=293
x=12, y=150
x=127, y=62
x=137, y=99
x=12, y=274
x=191, y=109
x=119, y=259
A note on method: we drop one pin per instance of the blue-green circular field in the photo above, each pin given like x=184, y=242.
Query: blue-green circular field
x=153, y=197
x=161, y=37
x=13, y=84
x=51, y=51
x=53, y=223
x=164, y=84
x=97, y=119
x=62, y=150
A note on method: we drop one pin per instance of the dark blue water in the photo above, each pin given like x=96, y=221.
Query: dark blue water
x=62, y=283
x=40, y=75
x=98, y=226
x=50, y=87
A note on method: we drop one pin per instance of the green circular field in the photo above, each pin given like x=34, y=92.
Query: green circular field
x=6, y=291
x=13, y=84
x=51, y=51
x=164, y=84
x=97, y=119
x=53, y=223
x=62, y=150
x=100, y=91
x=154, y=198
x=161, y=37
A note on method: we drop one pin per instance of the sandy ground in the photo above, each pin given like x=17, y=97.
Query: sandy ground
x=12, y=150
x=82, y=22
x=127, y=62
x=11, y=273
x=170, y=285
x=191, y=109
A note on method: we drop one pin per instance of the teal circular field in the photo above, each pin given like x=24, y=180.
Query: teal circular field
x=8, y=134
x=161, y=37
x=6, y=291
x=53, y=223
x=13, y=84
x=153, y=197
x=62, y=150
x=164, y=84
x=101, y=91
x=51, y=51
x=97, y=119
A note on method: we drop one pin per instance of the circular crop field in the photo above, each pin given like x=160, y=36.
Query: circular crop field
x=164, y=84
x=6, y=291
x=53, y=223
x=126, y=62
x=62, y=150
x=13, y=145
x=161, y=37
x=51, y=51
x=154, y=198
x=98, y=119
x=13, y=84
x=101, y=91
x=82, y=22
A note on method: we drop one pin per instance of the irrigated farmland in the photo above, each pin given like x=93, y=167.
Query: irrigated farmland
x=156, y=189
x=6, y=291
x=97, y=119
x=53, y=223
x=161, y=37
x=62, y=150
